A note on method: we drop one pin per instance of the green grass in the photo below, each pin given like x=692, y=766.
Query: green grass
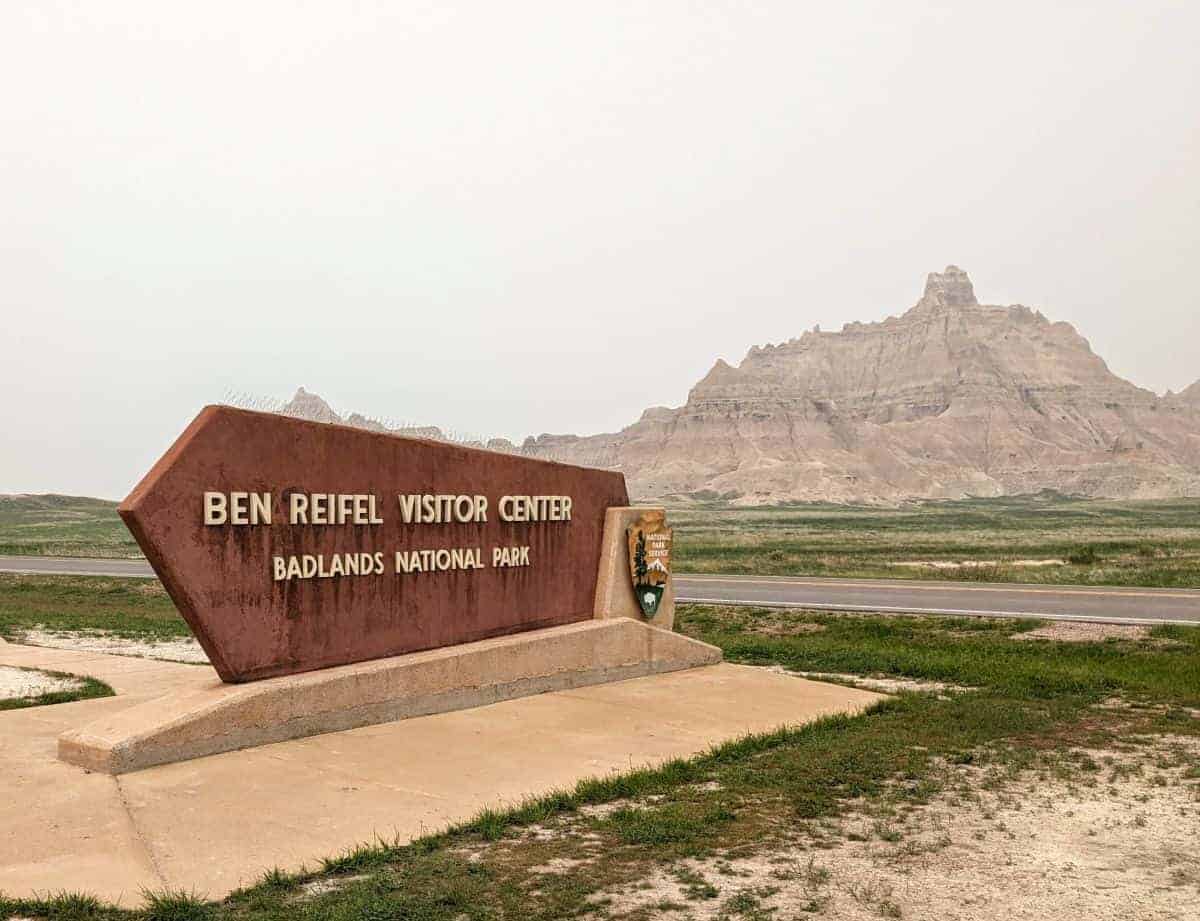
x=135, y=608
x=1028, y=698
x=975, y=653
x=53, y=525
x=88, y=688
x=1152, y=543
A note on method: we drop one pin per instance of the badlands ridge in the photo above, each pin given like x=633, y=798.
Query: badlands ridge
x=952, y=399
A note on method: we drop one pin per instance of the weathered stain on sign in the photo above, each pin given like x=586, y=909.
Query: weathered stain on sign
x=290, y=545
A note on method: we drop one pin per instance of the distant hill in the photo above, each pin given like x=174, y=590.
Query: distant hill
x=305, y=405
x=952, y=399
x=54, y=525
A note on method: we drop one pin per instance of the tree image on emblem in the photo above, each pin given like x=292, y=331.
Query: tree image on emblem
x=640, y=569
x=648, y=594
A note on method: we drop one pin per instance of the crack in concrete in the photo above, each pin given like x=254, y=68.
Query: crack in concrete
x=138, y=835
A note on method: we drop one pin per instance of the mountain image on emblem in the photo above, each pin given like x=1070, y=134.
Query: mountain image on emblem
x=649, y=559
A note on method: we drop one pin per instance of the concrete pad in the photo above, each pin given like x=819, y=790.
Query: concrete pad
x=124, y=674
x=218, y=717
x=59, y=827
x=216, y=823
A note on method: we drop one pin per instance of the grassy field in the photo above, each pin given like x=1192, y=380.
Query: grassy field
x=122, y=607
x=134, y=608
x=53, y=525
x=1153, y=543
x=1024, y=708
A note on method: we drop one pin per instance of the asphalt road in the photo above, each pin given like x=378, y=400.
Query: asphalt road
x=70, y=566
x=1053, y=602
x=1107, y=605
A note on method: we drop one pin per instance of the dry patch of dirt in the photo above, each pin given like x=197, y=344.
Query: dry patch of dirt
x=1072, y=632
x=21, y=683
x=184, y=649
x=774, y=622
x=885, y=684
x=785, y=626
x=324, y=885
x=976, y=564
x=1115, y=841
x=560, y=865
x=1065, y=631
x=604, y=810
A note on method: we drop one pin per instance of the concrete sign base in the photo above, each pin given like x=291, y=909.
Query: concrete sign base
x=223, y=717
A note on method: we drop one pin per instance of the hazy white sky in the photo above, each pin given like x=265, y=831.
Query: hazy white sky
x=510, y=218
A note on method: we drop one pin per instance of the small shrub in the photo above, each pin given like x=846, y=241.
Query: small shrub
x=674, y=823
x=1085, y=555
x=695, y=886
x=176, y=905
x=277, y=879
x=359, y=858
x=71, y=906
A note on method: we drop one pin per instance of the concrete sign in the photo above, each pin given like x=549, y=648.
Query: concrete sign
x=291, y=545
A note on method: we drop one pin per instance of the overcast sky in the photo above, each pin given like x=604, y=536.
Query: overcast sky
x=511, y=218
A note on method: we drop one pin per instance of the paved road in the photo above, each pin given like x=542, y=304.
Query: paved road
x=1055, y=602
x=64, y=566
x=1111, y=605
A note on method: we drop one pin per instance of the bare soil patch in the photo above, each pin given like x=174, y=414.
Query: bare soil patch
x=1114, y=840
x=326, y=884
x=976, y=564
x=183, y=649
x=885, y=684
x=1073, y=632
x=786, y=626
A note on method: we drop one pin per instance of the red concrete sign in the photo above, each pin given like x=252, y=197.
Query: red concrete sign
x=290, y=545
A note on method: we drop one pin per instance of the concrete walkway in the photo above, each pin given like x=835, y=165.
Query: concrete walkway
x=217, y=823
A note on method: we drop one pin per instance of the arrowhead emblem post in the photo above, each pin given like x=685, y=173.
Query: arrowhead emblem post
x=649, y=559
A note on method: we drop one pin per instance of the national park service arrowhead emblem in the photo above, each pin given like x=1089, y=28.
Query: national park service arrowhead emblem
x=650, y=559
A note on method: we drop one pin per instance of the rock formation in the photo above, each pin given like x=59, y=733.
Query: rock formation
x=305, y=405
x=952, y=399
x=1191, y=394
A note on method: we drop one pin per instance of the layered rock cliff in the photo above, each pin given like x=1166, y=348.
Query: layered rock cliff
x=951, y=399
x=1191, y=394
